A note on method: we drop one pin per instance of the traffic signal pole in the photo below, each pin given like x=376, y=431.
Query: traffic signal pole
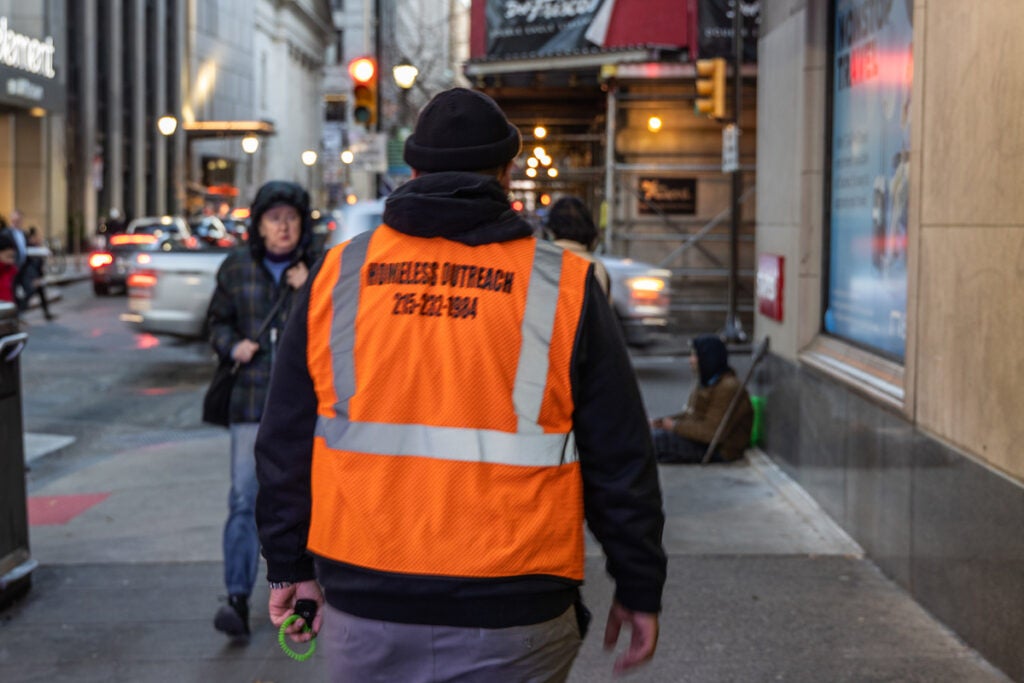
x=733, y=330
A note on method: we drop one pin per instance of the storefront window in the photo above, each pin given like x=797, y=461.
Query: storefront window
x=872, y=73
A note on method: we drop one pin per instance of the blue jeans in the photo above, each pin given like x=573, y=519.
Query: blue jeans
x=241, y=540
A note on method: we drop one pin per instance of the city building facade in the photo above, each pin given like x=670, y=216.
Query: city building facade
x=161, y=92
x=889, y=246
x=33, y=61
x=291, y=42
x=123, y=75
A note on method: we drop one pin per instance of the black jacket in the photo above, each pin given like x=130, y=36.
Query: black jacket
x=622, y=498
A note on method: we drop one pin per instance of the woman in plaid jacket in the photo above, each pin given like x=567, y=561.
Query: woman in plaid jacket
x=249, y=283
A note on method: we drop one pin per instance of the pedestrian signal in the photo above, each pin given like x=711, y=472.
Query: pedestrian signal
x=364, y=91
x=710, y=88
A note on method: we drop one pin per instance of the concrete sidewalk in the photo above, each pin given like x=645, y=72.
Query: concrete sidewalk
x=762, y=586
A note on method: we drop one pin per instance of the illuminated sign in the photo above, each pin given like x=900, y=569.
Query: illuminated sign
x=668, y=195
x=21, y=52
x=770, y=277
x=22, y=87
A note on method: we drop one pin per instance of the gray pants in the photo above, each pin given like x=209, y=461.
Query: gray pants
x=364, y=650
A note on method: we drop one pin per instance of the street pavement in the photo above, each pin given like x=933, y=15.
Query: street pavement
x=762, y=585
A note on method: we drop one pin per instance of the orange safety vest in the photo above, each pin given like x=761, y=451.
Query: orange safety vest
x=444, y=440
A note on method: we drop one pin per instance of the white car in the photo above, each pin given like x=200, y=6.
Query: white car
x=640, y=296
x=354, y=219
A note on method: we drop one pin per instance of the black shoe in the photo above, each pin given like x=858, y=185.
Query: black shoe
x=233, y=618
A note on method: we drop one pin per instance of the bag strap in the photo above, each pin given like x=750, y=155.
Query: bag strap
x=273, y=311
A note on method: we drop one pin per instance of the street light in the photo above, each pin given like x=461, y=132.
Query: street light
x=250, y=143
x=167, y=124
x=405, y=74
x=309, y=159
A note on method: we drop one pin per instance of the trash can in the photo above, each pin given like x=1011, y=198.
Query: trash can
x=16, y=564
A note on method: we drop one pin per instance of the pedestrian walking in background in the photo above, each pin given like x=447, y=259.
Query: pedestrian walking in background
x=8, y=261
x=33, y=275
x=684, y=438
x=17, y=232
x=451, y=398
x=571, y=227
x=250, y=282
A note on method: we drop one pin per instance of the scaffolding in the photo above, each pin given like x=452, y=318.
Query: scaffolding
x=692, y=239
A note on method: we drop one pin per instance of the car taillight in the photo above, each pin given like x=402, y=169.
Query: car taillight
x=191, y=242
x=100, y=259
x=135, y=238
x=141, y=283
x=647, y=295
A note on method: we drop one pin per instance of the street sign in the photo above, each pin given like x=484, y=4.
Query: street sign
x=730, y=148
x=370, y=153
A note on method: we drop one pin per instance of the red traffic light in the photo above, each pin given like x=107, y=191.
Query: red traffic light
x=364, y=91
x=362, y=69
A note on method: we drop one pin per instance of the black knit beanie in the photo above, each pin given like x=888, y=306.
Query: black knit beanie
x=461, y=130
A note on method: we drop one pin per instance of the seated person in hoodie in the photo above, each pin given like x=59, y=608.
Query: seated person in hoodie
x=684, y=438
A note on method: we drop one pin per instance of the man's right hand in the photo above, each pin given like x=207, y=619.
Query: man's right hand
x=282, y=605
x=642, y=642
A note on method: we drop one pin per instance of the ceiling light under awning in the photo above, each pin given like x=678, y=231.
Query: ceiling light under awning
x=213, y=129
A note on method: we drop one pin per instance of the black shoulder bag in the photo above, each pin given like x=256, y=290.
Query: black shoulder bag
x=217, y=402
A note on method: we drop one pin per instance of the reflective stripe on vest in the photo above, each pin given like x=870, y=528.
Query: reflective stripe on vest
x=436, y=461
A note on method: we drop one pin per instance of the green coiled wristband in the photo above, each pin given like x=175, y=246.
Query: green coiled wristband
x=297, y=656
